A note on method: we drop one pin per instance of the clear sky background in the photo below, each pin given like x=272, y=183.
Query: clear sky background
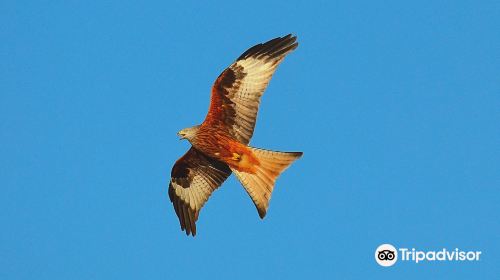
x=395, y=106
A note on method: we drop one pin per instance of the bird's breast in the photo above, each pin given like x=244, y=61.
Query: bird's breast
x=227, y=150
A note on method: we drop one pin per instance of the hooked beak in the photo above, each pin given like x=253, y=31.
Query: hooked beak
x=181, y=135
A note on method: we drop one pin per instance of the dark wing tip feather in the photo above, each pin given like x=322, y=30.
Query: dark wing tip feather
x=185, y=214
x=262, y=212
x=274, y=48
x=298, y=154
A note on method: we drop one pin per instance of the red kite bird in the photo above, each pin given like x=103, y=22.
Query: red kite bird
x=219, y=144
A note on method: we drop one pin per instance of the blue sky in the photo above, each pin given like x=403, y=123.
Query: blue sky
x=395, y=106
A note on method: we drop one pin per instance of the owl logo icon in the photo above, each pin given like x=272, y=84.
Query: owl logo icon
x=386, y=255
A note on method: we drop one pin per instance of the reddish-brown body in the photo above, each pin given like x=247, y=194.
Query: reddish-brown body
x=217, y=144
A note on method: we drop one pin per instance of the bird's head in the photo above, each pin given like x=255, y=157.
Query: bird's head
x=188, y=133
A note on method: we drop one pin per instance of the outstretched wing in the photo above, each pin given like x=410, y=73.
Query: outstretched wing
x=194, y=177
x=236, y=92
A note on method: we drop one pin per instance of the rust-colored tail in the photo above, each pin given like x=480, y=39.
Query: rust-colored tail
x=260, y=184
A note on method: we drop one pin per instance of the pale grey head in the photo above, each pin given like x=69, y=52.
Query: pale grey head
x=188, y=133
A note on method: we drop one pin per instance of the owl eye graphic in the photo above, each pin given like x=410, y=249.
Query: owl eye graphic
x=386, y=255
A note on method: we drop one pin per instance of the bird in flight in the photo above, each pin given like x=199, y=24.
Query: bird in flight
x=219, y=146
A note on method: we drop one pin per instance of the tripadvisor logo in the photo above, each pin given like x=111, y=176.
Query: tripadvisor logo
x=387, y=255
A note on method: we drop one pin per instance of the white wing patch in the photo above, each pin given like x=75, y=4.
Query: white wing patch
x=238, y=89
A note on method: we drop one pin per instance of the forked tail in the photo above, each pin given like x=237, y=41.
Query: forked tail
x=260, y=184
